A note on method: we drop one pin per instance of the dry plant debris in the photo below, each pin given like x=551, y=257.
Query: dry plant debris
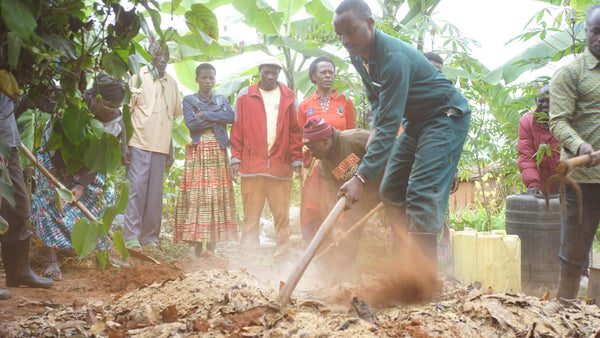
x=235, y=303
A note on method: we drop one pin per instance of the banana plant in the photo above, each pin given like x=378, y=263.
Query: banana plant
x=53, y=48
x=558, y=30
x=294, y=32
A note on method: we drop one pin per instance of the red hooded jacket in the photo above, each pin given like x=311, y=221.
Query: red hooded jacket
x=249, y=135
x=531, y=135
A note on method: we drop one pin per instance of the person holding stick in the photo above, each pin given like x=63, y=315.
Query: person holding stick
x=339, y=154
x=419, y=165
x=53, y=225
x=574, y=115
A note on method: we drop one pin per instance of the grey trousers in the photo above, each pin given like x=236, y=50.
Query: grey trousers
x=18, y=215
x=143, y=213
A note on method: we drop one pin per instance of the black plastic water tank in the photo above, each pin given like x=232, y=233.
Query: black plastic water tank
x=539, y=231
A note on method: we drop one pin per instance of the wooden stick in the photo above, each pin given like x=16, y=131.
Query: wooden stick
x=563, y=167
x=309, y=253
x=79, y=205
x=356, y=226
x=55, y=181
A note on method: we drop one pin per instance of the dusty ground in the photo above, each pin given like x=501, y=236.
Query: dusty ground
x=234, y=294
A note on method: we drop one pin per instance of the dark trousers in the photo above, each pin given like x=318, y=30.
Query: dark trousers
x=419, y=172
x=255, y=190
x=576, y=238
x=18, y=215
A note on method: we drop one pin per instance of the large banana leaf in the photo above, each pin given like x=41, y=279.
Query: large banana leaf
x=534, y=57
x=289, y=8
x=186, y=74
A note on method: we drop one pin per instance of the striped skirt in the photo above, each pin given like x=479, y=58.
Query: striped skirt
x=206, y=209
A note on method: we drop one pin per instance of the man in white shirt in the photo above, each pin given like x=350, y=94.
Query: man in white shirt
x=266, y=152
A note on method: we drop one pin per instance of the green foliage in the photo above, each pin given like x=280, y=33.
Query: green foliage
x=18, y=17
x=32, y=124
x=171, y=188
x=203, y=22
x=62, y=195
x=55, y=47
x=180, y=133
x=172, y=250
x=543, y=151
x=477, y=218
x=86, y=233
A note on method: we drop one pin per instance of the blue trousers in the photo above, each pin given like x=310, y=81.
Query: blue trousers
x=419, y=172
x=576, y=238
x=143, y=214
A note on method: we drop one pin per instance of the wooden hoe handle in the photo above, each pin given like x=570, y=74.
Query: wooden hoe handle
x=309, y=253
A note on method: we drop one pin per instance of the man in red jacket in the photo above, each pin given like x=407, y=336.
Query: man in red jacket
x=266, y=143
x=533, y=132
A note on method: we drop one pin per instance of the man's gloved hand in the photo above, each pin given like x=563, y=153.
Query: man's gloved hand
x=534, y=190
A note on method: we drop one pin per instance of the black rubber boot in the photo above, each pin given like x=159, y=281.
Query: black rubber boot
x=427, y=242
x=568, y=286
x=15, y=256
x=5, y=294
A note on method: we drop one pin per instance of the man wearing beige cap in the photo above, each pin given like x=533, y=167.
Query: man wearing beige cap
x=265, y=151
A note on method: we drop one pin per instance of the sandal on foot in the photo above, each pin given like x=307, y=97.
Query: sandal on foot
x=134, y=245
x=52, y=270
x=118, y=262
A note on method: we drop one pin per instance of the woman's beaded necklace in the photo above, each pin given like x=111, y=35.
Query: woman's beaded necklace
x=325, y=102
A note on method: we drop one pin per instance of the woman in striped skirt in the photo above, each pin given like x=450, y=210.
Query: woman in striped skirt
x=206, y=211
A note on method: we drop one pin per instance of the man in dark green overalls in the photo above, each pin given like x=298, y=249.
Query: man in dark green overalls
x=402, y=84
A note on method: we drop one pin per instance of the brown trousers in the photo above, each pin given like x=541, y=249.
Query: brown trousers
x=255, y=190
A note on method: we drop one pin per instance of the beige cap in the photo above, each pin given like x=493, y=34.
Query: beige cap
x=270, y=60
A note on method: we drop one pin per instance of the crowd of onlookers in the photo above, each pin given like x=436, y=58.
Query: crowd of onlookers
x=407, y=161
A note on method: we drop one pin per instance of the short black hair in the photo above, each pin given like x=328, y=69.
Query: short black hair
x=431, y=56
x=207, y=66
x=359, y=7
x=313, y=65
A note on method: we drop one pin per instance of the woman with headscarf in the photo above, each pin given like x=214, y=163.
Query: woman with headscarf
x=206, y=211
x=54, y=226
x=336, y=109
